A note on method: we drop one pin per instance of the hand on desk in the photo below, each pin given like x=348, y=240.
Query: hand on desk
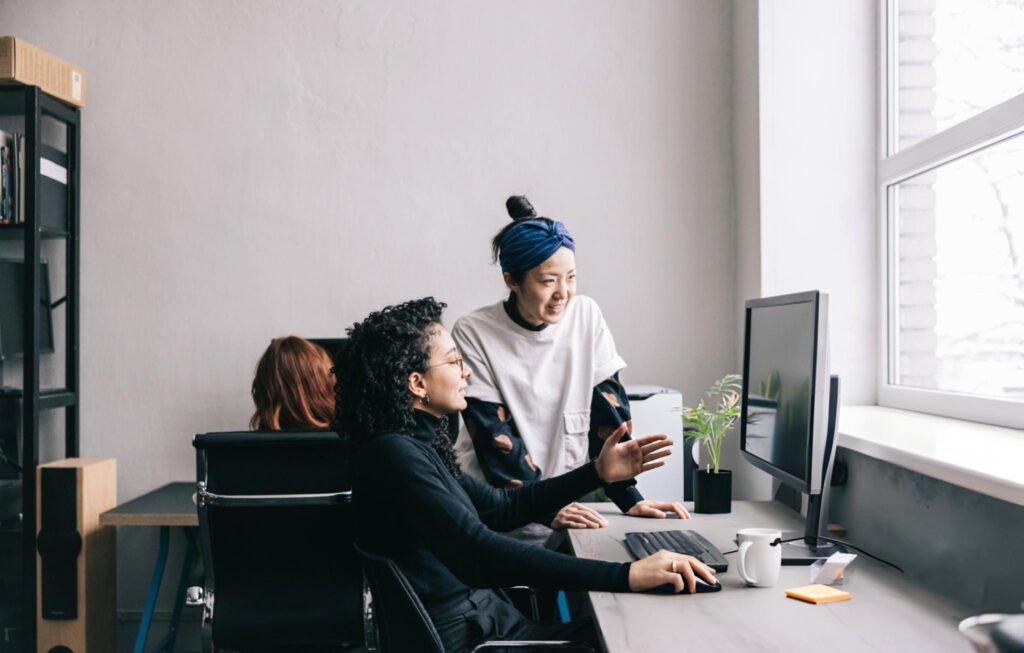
x=621, y=460
x=657, y=509
x=668, y=568
x=577, y=515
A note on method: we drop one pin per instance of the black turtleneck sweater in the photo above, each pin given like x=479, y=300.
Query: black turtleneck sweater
x=441, y=531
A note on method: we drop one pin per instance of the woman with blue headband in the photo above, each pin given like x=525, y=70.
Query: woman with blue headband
x=545, y=389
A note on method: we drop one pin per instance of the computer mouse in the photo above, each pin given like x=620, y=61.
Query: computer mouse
x=703, y=587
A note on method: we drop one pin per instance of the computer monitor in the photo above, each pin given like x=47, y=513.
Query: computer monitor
x=789, y=405
x=12, y=309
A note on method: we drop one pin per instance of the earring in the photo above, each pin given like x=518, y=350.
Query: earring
x=426, y=400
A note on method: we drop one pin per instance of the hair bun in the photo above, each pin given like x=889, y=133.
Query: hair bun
x=519, y=208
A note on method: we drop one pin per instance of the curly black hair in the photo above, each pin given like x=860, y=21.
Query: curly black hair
x=372, y=374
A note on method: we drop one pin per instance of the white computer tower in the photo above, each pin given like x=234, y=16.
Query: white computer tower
x=659, y=410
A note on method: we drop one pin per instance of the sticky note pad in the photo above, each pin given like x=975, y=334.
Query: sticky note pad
x=818, y=594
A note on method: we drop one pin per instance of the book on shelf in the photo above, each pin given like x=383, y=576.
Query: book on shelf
x=6, y=177
x=12, y=177
x=19, y=176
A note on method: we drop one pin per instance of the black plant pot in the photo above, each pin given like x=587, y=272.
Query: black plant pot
x=712, y=493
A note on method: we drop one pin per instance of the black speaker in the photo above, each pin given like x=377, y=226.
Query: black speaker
x=75, y=568
x=59, y=543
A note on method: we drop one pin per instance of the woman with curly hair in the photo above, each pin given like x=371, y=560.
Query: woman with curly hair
x=545, y=390
x=398, y=377
x=293, y=387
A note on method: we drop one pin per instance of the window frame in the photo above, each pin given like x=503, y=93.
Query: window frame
x=996, y=124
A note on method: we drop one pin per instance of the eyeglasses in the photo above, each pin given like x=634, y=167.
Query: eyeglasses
x=457, y=361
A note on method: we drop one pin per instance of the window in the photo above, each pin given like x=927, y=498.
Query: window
x=951, y=183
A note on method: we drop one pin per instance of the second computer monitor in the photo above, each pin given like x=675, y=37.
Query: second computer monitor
x=784, y=425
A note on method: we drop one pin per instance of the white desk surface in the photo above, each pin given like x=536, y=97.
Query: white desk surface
x=887, y=612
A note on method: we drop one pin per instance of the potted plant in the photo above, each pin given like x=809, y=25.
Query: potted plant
x=710, y=423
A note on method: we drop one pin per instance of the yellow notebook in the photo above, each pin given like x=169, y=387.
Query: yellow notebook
x=817, y=594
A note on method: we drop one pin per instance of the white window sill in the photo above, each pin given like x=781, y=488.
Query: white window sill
x=979, y=457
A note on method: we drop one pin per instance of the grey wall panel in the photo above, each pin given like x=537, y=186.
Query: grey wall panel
x=963, y=544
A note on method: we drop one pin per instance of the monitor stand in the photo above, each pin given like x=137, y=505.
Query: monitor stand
x=803, y=553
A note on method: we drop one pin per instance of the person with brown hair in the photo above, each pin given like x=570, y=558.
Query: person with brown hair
x=293, y=387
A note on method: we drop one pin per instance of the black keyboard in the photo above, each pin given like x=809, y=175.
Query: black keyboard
x=691, y=543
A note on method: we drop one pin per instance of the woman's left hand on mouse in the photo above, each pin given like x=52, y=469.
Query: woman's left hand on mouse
x=668, y=568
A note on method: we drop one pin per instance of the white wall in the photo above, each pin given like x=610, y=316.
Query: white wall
x=818, y=67
x=748, y=482
x=805, y=115
x=252, y=169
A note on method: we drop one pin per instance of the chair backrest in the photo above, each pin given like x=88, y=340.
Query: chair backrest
x=276, y=537
x=402, y=622
x=332, y=346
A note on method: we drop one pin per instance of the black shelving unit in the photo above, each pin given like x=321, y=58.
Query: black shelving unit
x=51, y=214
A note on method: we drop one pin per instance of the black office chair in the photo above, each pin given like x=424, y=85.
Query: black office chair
x=403, y=623
x=276, y=539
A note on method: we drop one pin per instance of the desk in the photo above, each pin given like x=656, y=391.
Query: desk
x=887, y=611
x=168, y=506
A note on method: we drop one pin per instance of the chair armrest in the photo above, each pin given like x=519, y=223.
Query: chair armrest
x=528, y=644
x=194, y=595
x=204, y=498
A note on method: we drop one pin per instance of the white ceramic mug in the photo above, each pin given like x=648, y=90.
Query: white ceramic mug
x=758, y=561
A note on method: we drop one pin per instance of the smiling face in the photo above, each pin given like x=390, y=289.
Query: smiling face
x=441, y=388
x=546, y=290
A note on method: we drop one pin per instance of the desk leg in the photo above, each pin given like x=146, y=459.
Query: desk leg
x=154, y=589
x=167, y=643
x=563, y=608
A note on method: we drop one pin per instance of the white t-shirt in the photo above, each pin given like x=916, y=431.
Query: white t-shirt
x=545, y=378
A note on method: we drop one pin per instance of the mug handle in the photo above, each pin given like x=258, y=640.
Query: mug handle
x=741, y=560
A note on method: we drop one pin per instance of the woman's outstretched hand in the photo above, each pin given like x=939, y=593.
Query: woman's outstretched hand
x=621, y=460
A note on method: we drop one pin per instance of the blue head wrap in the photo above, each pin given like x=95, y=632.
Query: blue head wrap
x=528, y=243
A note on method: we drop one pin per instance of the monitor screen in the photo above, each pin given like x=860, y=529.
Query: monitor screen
x=12, y=309
x=783, y=385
